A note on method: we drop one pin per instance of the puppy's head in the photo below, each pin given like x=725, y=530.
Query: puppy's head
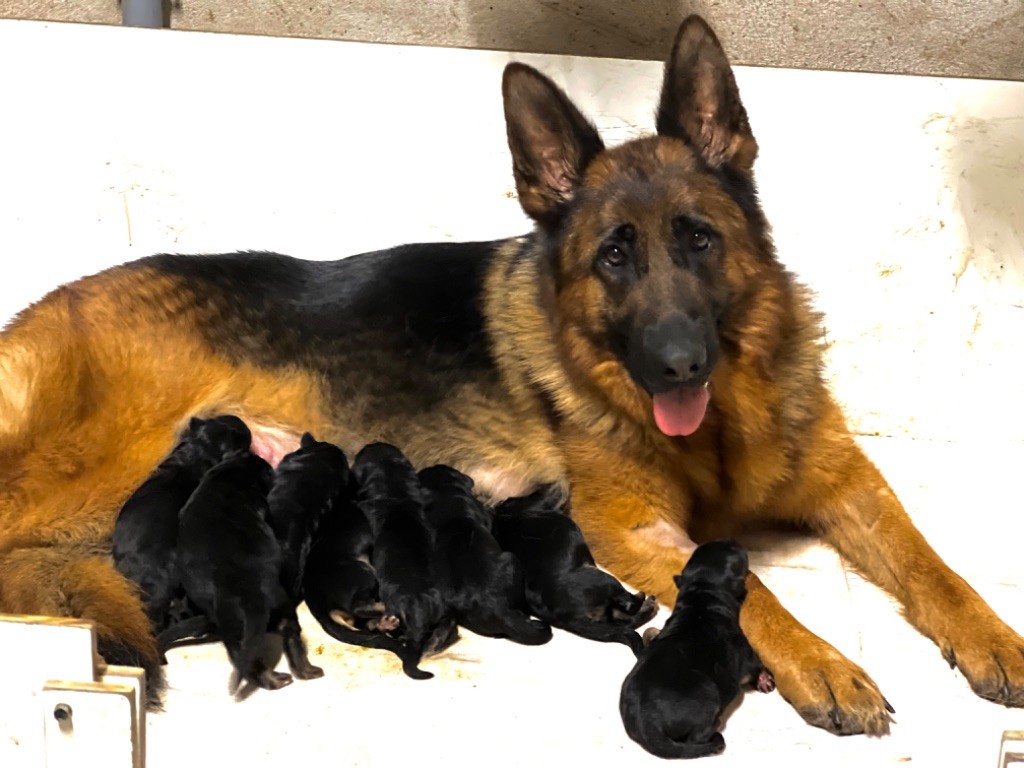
x=322, y=454
x=721, y=564
x=547, y=498
x=220, y=436
x=441, y=478
x=261, y=471
x=382, y=467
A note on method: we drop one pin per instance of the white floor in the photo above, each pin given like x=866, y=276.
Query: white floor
x=901, y=200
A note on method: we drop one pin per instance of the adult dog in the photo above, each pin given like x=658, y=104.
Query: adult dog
x=578, y=353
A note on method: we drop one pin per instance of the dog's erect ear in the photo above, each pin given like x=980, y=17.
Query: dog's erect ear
x=700, y=102
x=551, y=142
x=307, y=441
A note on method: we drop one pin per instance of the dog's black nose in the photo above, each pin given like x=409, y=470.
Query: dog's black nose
x=680, y=363
x=676, y=352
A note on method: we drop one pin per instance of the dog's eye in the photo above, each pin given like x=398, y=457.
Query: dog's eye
x=613, y=256
x=700, y=240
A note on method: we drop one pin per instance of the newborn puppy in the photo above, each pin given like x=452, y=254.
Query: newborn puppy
x=145, y=539
x=231, y=567
x=481, y=585
x=341, y=587
x=672, y=700
x=564, y=587
x=308, y=482
x=390, y=497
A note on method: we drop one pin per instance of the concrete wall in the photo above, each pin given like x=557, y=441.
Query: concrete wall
x=966, y=38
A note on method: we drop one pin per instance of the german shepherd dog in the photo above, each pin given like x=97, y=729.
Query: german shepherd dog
x=643, y=345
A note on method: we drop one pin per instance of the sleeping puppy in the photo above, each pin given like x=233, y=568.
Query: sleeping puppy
x=390, y=497
x=672, y=700
x=231, y=568
x=341, y=587
x=481, y=584
x=564, y=587
x=308, y=482
x=145, y=538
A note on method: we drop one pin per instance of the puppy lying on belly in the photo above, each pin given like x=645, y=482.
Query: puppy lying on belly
x=391, y=498
x=672, y=701
x=145, y=539
x=231, y=568
x=341, y=587
x=564, y=587
x=481, y=584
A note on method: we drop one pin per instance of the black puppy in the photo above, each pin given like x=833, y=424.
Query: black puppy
x=391, y=498
x=672, y=700
x=308, y=482
x=145, y=539
x=481, y=584
x=341, y=587
x=564, y=587
x=231, y=568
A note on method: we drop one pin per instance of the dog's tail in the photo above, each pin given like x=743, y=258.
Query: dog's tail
x=409, y=656
x=69, y=580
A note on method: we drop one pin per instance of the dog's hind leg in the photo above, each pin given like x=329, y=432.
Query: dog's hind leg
x=79, y=582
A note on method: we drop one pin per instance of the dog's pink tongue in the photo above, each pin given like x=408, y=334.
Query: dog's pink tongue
x=680, y=411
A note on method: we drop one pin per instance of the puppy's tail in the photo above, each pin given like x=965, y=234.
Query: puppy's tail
x=605, y=633
x=521, y=628
x=409, y=656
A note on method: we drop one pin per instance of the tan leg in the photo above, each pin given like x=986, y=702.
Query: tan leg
x=625, y=513
x=868, y=526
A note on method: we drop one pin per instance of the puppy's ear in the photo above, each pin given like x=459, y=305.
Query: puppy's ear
x=552, y=143
x=195, y=424
x=700, y=102
x=307, y=441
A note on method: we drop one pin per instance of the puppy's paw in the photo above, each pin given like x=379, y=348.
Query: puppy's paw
x=270, y=680
x=765, y=682
x=649, y=634
x=385, y=624
x=647, y=610
x=308, y=672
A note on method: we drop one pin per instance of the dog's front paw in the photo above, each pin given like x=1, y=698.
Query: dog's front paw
x=831, y=692
x=992, y=661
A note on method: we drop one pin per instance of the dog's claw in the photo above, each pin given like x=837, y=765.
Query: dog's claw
x=888, y=706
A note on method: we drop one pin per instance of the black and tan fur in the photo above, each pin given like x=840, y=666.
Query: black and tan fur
x=498, y=359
